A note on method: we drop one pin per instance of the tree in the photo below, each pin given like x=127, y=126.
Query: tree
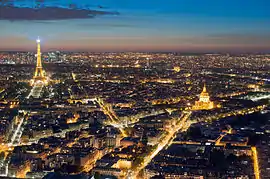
x=194, y=132
x=2, y=155
x=97, y=175
x=231, y=158
x=218, y=160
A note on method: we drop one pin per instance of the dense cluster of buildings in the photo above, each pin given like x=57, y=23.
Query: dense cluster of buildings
x=128, y=115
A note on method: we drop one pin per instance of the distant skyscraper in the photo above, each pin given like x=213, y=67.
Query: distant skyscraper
x=147, y=64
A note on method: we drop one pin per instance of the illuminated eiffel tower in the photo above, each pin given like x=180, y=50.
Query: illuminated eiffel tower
x=39, y=75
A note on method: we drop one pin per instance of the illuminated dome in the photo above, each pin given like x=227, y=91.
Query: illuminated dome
x=204, y=102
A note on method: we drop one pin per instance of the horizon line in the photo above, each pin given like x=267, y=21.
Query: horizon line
x=165, y=51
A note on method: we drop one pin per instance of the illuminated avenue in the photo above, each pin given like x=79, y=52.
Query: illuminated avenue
x=134, y=115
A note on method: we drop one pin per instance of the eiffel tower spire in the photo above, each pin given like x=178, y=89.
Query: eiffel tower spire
x=39, y=72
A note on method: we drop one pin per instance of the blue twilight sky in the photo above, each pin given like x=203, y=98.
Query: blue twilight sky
x=139, y=25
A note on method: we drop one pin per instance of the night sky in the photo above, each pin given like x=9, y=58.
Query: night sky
x=137, y=25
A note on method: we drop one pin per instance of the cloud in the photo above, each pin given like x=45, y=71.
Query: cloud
x=102, y=25
x=14, y=13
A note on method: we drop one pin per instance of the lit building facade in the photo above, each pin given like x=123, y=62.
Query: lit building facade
x=204, y=102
